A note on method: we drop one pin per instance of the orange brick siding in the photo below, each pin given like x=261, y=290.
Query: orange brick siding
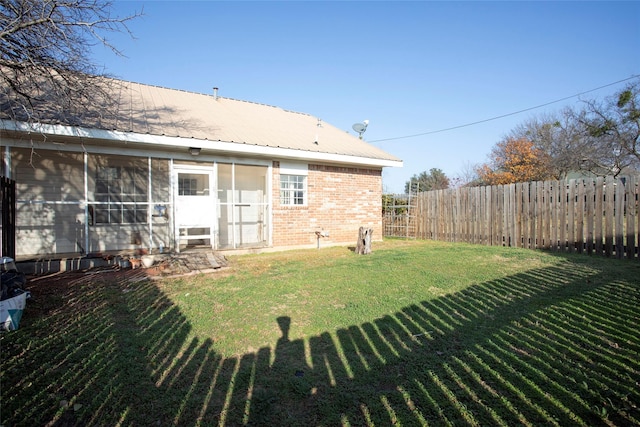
x=339, y=201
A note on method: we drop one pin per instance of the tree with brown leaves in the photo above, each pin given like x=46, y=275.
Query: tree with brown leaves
x=514, y=160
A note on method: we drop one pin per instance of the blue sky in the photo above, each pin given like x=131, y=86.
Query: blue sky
x=408, y=67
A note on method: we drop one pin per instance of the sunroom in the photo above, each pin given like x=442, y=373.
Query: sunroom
x=79, y=202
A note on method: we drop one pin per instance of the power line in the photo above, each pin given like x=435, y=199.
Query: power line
x=504, y=115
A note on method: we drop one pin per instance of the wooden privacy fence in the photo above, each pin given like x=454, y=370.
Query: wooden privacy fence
x=593, y=216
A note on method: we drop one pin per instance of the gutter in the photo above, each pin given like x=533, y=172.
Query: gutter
x=207, y=146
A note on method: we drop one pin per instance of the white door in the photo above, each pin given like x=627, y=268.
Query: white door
x=195, y=208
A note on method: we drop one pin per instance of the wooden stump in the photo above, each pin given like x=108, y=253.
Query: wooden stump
x=364, y=241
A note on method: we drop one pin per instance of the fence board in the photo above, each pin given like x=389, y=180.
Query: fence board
x=473, y=219
x=440, y=213
x=498, y=203
x=539, y=215
x=546, y=200
x=551, y=215
x=504, y=225
x=619, y=218
x=608, y=216
x=571, y=217
x=463, y=214
x=526, y=211
x=517, y=221
x=489, y=214
x=630, y=213
x=589, y=213
x=580, y=199
x=510, y=220
x=599, y=215
x=438, y=209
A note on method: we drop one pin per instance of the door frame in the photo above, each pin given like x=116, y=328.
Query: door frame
x=233, y=204
x=208, y=169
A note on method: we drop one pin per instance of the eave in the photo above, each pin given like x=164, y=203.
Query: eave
x=159, y=142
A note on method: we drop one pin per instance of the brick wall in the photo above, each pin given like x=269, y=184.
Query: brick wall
x=339, y=201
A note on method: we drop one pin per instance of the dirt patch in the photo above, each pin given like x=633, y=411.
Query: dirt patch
x=174, y=265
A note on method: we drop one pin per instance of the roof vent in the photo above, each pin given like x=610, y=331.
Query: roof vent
x=215, y=93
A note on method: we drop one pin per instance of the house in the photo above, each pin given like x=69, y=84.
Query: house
x=166, y=170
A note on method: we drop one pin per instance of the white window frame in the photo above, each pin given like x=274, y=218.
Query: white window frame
x=293, y=184
x=293, y=190
x=109, y=201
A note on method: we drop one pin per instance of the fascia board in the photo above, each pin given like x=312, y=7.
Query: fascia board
x=209, y=145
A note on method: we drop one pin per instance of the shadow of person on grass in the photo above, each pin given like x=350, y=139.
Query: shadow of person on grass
x=284, y=392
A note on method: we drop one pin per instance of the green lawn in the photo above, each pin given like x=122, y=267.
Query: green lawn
x=417, y=333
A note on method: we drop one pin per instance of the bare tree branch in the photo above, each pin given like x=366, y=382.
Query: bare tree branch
x=614, y=126
x=46, y=72
x=602, y=137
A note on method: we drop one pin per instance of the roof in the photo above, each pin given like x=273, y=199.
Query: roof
x=151, y=110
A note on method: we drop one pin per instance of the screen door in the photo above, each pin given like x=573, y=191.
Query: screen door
x=195, y=208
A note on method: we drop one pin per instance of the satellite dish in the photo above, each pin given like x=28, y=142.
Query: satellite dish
x=360, y=127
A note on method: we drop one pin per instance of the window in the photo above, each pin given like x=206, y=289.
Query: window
x=121, y=195
x=293, y=190
x=187, y=186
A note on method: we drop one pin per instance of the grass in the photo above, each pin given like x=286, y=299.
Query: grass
x=417, y=333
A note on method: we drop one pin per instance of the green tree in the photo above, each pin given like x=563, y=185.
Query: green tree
x=435, y=179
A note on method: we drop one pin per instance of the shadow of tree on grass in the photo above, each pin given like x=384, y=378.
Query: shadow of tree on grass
x=553, y=346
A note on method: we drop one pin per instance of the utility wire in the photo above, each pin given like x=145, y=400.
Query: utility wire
x=504, y=115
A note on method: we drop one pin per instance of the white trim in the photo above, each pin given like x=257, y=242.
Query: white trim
x=186, y=143
x=212, y=225
x=7, y=161
x=150, y=208
x=233, y=206
x=172, y=195
x=270, y=203
x=85, y=171
x=305, y=191
x=287, y=168
x=201, y=167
